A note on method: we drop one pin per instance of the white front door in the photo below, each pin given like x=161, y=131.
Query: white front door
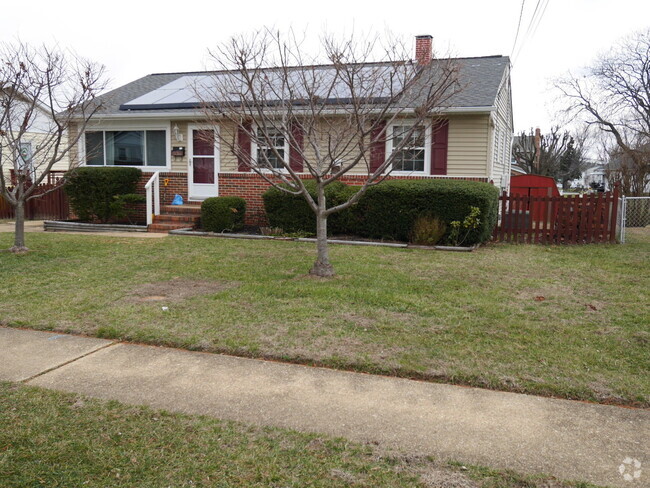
x=203, y=163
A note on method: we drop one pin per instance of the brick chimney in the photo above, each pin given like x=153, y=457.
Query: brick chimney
x=538, y=148
x=423, y=49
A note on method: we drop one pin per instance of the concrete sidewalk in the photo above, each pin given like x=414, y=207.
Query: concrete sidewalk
x=37, y=226
x=570, y=440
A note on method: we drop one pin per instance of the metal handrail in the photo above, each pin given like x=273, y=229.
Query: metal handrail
x=153, y=196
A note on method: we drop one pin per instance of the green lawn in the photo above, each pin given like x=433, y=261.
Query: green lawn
x=50, y=439
x=567, y=321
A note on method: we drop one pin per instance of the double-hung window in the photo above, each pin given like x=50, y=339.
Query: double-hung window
x=408, y=144
x=126, y=148
x=272, y=150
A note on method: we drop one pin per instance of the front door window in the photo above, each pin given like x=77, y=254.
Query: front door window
x=203, y=161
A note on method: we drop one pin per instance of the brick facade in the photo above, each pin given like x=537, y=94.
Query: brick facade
x=249, y=186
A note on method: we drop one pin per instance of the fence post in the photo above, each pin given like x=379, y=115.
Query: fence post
x=613, y=216
x=623, y=217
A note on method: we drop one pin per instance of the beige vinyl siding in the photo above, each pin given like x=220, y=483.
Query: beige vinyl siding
x=179, y=163
x=500, y=170
x=41, y=160
x=468, y=146
x=467, y=152
x=229, y=163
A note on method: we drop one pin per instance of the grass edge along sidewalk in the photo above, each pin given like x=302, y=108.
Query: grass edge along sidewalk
x=559, y=321
x=60, y=439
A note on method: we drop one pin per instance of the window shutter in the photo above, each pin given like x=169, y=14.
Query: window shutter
x=244, y=143
x=295, y=153
x=378, y=146
x=439, y=138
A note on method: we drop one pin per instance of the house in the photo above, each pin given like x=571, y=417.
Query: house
x=156, y=124
x=594, y=175
x=26, y=152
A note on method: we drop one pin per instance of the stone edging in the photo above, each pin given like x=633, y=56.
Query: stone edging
x=61, y=226
x=223, y=235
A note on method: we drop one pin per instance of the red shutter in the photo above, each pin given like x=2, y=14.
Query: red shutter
x=439, y=145
x=244, y=142
x=378, y=146
x=295, y=153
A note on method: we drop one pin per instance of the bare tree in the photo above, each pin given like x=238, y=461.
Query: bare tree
x=614, y=96
x=557, y=154
x=42, y=90
x=331, y=116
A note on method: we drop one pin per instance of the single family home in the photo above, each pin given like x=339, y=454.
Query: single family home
x=25, y=141
x=156, y=123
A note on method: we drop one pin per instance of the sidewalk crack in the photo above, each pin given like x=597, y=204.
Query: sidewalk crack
x=58, y=366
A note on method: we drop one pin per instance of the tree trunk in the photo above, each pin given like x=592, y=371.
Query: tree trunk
x=322, y=267
x=19, y=232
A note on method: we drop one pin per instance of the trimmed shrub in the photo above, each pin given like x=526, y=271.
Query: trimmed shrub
x=219, y=214
x=102, y=193
x=123, y=205
x=293, y=214
x=390, y=209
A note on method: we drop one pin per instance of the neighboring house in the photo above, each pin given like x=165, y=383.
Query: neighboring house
x=515, y=169
x=154, y=124
x=594, y=175
x=24, y=155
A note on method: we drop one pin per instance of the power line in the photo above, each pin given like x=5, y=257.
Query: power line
x=543, y=11
x=521, y=14
x=535, y=20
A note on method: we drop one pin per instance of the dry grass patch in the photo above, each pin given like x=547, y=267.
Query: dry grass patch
x=176, y=290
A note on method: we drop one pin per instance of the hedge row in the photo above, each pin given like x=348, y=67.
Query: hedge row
x=389, y=210
x=103, y=193
x=291, y=213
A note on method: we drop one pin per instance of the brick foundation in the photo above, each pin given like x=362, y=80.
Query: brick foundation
x=249, y=186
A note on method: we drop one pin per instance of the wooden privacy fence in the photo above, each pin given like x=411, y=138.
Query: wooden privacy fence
x=575, y=219
x=53, y=205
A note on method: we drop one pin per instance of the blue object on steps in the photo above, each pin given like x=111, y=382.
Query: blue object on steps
x=178, y=200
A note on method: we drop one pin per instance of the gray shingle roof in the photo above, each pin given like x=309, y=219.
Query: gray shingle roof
x=479, y=77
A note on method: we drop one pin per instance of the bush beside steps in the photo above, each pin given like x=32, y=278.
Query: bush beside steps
x=104, y=194
x=223, y=214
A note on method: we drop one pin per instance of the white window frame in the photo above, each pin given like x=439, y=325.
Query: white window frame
x=427, y=146
x=166, y=127
x=254, y=148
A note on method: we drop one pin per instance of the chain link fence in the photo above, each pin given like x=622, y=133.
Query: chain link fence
x=635, y=212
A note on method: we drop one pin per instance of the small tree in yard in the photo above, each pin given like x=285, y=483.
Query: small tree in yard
x=330, y=117
x=41, y=92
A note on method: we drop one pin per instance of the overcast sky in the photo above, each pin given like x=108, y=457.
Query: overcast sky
x=135, y=38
